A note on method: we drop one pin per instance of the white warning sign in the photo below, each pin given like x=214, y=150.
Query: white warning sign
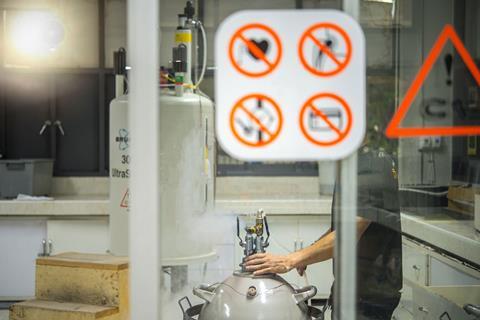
x=290, y=85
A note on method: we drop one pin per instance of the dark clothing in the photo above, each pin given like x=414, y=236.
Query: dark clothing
x=371, y=311
x=379, y=264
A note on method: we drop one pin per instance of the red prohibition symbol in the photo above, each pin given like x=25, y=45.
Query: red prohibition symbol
x=325, y=119
x=325, y=49
x=258, y=40
x=256, y=120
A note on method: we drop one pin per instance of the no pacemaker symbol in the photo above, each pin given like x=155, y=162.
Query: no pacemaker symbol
x=258, y=42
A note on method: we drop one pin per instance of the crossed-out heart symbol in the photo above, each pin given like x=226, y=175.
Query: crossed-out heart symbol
x=262, y=45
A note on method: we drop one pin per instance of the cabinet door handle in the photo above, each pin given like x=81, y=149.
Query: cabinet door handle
x=415, y=267
x=297, y=245
x=46, y=124
x=47, y=246
x=472, y=309
x=423, y=309
x=58, y=123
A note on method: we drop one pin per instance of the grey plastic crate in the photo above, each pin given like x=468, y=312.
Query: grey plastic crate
x=27, y=176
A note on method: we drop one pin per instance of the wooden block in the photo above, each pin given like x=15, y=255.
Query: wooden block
x=53, y=310
x=85, y=260
x=100, y=280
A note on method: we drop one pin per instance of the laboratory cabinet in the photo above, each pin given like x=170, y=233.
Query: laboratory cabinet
x=404, y=310
x=402, y=314
x=436, y=284
x=88, y=235
x=61, y=115
x=22, y=240
x=415, y=263
x=20, y=244
x=426, y=266
x=428, y=305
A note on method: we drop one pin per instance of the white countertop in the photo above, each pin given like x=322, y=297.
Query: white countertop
x=442, y=231
x=84, y=205
x=91, y=205
x=318, y=206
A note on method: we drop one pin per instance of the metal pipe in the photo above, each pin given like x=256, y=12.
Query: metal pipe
x=352, y=7
x=346, y=224
x=101, y=85
x=144, y=122
x=346, y=241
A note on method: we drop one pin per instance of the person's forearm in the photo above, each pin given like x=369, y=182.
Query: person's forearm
x=319, y=251
x=322, y=249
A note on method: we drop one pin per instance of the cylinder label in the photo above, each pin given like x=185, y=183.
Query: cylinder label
x=183, y=37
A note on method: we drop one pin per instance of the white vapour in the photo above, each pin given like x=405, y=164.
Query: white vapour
x=191, y=227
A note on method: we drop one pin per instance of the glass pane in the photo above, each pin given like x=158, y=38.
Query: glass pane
x=296, y=198
x=417, y=244
x=425, y=185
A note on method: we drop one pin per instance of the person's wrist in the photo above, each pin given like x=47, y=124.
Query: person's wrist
x=293, y=259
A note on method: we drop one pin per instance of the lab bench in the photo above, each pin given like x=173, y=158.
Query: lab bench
x=441, y=255
x=438, y=251
x=444, y=230
x=82, y=205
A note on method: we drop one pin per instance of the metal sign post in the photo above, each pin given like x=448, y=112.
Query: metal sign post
x=144, y=122
x=345, y=224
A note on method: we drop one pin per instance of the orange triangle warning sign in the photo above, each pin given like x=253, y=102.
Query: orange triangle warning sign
x=126, y=196
x=394, y=130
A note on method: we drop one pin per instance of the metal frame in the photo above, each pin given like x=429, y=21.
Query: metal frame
x=345, y=290
x=3, y=121
x=144, y=122
x=345, y=252
x=102, y=104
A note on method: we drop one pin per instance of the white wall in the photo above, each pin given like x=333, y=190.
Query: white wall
x=380, y=48
x=80, y=18
x=115, y=28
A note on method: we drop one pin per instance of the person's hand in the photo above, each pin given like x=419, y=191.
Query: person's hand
x=263, y=263
x=301, y=270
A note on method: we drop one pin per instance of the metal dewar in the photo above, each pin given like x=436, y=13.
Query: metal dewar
x=245, y=296
x=187, y=157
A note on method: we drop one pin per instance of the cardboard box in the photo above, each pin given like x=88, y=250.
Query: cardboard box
x=462, y=199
